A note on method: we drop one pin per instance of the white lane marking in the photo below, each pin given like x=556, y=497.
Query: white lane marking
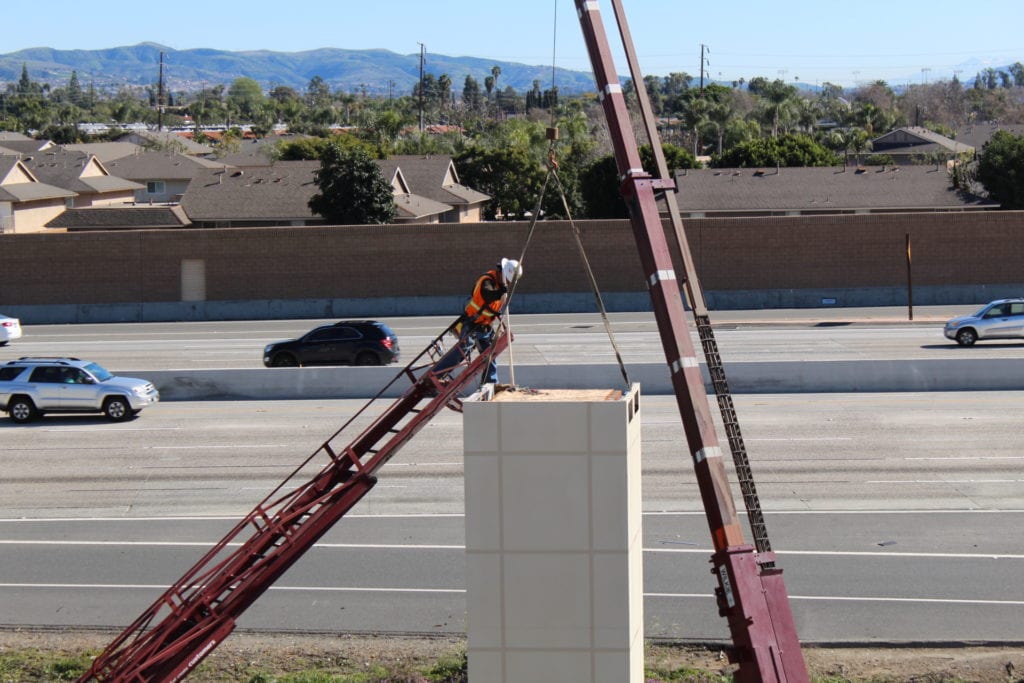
x=858, y=553
x=971, y=457
x=457, y=591
x=414, y=546
x=944, y=481
x=107, y=428
x=860, y=598
x=433, y=515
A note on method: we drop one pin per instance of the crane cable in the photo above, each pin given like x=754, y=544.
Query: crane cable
x=552, y=167
x=553, y=174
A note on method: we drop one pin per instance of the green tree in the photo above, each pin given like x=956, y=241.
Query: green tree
x=353, y=190
x=74, y=90
x=1001, y=169
x=600, y=186
x=471, y=96
x=245, y=96
x=509, y=175
x=785, y=150
x=317, y=93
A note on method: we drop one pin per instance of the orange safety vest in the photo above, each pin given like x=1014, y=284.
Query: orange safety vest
x=479, y=311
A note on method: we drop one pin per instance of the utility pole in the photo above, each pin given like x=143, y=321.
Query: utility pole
x=160, y=96
x=704, y=61
x=423, y=52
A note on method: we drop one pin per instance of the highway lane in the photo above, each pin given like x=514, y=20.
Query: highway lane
x=897, y=517
x=540, y=339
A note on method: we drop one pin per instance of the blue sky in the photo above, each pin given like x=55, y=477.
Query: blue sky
x=842, y=42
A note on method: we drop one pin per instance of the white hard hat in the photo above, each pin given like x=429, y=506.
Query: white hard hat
x=510, y=270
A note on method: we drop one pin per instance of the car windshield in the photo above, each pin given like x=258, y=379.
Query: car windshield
x=99, y=372
x=981, y=311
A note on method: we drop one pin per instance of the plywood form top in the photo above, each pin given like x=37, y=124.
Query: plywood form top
x=526, y=394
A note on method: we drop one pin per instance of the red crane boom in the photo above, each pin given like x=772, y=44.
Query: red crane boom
x=751, y=593
x=194, y=615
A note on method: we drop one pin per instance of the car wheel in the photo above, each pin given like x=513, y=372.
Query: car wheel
x=966, y=337
x=116, y=408
x=284, y=360
x=367, y=358
x=22, y=409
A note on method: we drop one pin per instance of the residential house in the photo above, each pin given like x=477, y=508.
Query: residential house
x=106, y=151
x=279, y=195
x=976, y=134
x=26, y=204
x=27, y=147
x=167, y=140
x=254, y=152
x=235, y=197
x=82, y=174
x=144, y=217
x=163, y=175
x=714, y=192
x=916, y=145
x=410, y=207
x=435, y=178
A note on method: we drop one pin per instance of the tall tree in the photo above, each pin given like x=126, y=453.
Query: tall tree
x=245, y=96
x=353, y=190
x=471, y=96
x=1001, y=169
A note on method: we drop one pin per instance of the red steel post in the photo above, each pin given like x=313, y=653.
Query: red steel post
x=756, y=606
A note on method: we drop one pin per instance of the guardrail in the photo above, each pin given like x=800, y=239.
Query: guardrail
x=847, y=376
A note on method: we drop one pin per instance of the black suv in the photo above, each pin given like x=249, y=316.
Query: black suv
x=349, y=342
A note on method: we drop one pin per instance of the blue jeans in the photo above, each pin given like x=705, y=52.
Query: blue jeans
x=482, y=336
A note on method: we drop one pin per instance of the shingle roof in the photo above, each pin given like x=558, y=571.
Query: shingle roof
x=917, y=140
x=11, y=135
x=105, y=151
x=129, y=217
x=29, y=146
x=820, y=189
x=278, y=192
x=154, y=165
x=171, y=139
x=435, y=177
x=413, y=207
x=64, y=168
x=28, y=192
x=978, y=134
x=25, y=191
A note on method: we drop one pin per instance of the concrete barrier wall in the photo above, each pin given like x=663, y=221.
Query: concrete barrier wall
x=978, y=374
x=333, y=271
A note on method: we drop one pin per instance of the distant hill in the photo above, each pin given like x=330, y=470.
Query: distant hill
x=379, y=72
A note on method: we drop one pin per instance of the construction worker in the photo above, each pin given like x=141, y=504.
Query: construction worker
x=475, y=325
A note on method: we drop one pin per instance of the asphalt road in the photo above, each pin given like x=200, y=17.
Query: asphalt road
x=897, y=517
x=787, y=335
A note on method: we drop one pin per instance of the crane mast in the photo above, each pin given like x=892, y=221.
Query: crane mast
x=751, y=592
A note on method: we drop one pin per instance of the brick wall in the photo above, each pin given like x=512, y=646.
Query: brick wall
x=776, y=253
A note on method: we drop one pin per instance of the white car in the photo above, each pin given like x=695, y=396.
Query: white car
x=33, y=386
x=10, y=328
x=999, y=319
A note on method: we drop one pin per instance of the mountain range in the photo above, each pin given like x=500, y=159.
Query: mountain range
x=377, y=72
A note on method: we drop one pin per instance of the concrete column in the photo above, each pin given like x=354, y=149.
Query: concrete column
x=554, y=565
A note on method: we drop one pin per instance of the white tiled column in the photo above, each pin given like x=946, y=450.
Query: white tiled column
x=554, y=566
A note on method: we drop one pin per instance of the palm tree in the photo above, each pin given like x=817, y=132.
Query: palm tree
x=695, y=117
x=495, y=72
x=719, y=115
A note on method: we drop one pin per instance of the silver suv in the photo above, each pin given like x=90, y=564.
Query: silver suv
x=32, y=386
x=999, y=319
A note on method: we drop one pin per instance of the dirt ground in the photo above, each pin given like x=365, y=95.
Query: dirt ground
x=244, y=654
